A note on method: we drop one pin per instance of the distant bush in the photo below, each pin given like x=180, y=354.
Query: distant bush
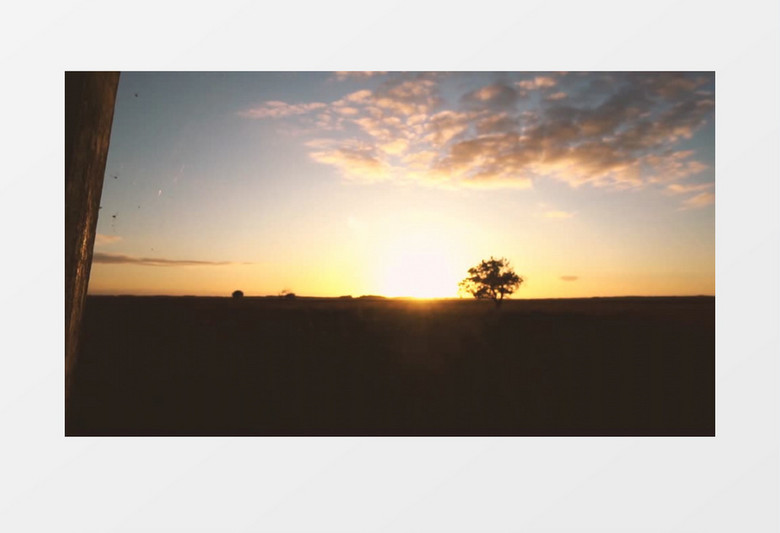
x=238, y=294
x=290, y=296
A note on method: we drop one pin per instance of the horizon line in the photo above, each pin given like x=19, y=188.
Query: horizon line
x=382, y=297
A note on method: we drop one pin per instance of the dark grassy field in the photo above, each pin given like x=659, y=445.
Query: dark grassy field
x=218, y=366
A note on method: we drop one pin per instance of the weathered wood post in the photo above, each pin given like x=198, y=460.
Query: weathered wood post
x=89, y=112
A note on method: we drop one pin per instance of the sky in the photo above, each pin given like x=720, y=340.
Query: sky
x=395, y=183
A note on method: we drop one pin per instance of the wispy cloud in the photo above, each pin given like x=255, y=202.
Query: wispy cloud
x=102, y=240
x=356, y=74
x=277, y=109
x=672, y=166
x=570, y=278
x=407, y=96
x=496, y=96
x=700, y=200
x=558, y=214
x=615, y=130
x=560, y=95
x=679, y=188
x=120, y=259
x=703, y=198
x=538, y=82
x=360, y=161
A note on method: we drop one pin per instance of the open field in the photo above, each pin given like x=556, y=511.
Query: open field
x=264, y=366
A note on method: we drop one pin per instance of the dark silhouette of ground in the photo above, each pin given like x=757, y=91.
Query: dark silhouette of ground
x=269, y=366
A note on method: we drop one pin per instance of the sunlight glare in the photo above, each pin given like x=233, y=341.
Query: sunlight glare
x=420, y=269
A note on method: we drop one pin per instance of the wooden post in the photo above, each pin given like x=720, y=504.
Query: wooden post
x=89, y=112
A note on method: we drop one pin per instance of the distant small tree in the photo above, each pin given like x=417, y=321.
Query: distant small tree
x=492, y=279
x=238, y=294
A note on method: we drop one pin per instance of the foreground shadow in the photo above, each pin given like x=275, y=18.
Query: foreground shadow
x=214, y=366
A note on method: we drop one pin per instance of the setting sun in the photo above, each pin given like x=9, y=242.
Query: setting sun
x=420, y=274
x=419, y=266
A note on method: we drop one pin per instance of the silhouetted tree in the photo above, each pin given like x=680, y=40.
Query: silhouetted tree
x=491, y=279
x=238, y=294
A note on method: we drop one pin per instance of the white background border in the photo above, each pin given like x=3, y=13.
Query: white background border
x=727, y=483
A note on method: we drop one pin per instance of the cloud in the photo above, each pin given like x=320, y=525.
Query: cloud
x=102, y=240
x=558, y=214
x=670, y=85
x=363, y=96
x=495, y=157
x=617, y=130
x=703, y=198
x=539, y=82
x=700, y=200
x=672, y=166
x=420, y=160
x=570, y=278
x=356, y=74
x=560, y=95
x=346, y=110
x=496, y=96
x=357, y=160
x=407, y=96
x=277, y=109
x=678, y=188
x=120, y=259
x=497, y=123
x=442, y=127
x=622, y=142
x=395, y=147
